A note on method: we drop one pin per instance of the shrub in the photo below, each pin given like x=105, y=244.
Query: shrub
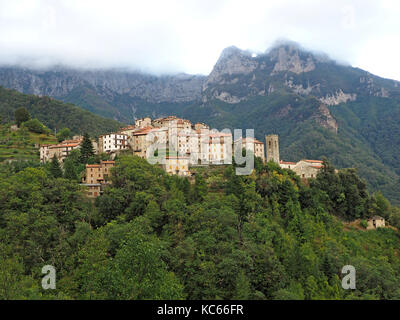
x=364, y=224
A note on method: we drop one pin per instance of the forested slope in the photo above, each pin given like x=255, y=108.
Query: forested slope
x=224, y=236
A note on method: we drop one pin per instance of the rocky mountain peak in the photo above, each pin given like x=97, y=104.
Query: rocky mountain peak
x=232, y=61
x=291, y=57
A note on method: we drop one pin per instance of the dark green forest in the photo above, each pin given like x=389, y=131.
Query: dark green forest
x=216, y=235
x=54, y=114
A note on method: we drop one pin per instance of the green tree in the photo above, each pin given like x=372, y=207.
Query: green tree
x=63, y=134
x=139, y=271
x=86, y=149
x=21, y=115
x=69, y=170
x=55, y=168
x=36, y=126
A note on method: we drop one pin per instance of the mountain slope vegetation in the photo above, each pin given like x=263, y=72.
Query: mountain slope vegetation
x=223, y=236
x=54, y=114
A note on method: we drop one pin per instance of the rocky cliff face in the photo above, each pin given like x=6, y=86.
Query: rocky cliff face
x=59, y=83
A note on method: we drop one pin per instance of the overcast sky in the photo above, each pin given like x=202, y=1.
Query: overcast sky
x=173, y=36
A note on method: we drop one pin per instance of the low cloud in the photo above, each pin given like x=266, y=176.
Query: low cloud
x=188, y=36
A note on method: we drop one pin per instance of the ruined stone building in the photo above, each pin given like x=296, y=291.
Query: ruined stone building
x=376, y=222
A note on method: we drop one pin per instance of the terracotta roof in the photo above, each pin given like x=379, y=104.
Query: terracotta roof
x=143, y=131
x=287, y=162
x=107, y=161
x=128, y=127
x=93, y=166
x=61, y=145
x=317, y=167
x=252, y=140
x=316, y=161
x=219, y=134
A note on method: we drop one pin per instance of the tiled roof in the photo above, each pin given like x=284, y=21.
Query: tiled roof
x=251, y=140
x=61, y=145
x=287, y=162
x=93, y=166
x=143, y=131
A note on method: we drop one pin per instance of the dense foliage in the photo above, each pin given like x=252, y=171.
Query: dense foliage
x=52, y=113
x=219, y=235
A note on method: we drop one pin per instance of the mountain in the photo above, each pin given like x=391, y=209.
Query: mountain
x=54, y=114
x=110, y=93
x=318, y=106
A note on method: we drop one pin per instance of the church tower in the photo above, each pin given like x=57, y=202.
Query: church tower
x=272, y=146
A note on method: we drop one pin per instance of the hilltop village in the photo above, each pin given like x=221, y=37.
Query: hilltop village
x=180, y=144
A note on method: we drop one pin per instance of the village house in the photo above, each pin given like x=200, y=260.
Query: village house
x=113, y=142
x=308, y=168
x=139, y=141
x=303, y=168
x=60, y=150
x=253, y=145
x=216, y=148
x=287, y=164
x=96, y=177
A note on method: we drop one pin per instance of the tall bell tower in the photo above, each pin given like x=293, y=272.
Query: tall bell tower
x=272, y=147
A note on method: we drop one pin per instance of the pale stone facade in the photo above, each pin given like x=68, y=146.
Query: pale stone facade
x=376, y=222
x=60, y=150
x=143, y=122
x=254, y=145
x=287, y=164
x=215, y=148
x=272, y=146
x=304, y=168
x=139, y=141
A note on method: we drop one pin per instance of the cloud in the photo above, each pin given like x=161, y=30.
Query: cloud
x=188, y=36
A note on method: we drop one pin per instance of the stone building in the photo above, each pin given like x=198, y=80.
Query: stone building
x=139, y=141
x=215, y=148
x=60, y=150
x=96, y=177
x=272, y=146
x=177, y=165
x=308, y=168
x=375, y=222
x=143, y=122
x=287, y=164
x=254, y=145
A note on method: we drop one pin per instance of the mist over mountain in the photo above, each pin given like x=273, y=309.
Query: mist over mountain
x=318, y=106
